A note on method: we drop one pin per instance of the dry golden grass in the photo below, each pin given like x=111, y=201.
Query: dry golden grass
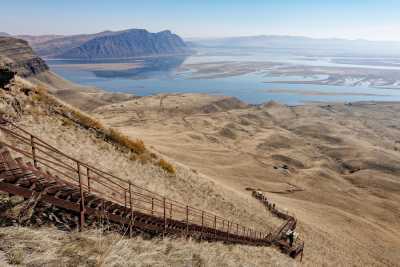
x=41, y=102
x=51, y=247
x=137, y=146
x=166, y=166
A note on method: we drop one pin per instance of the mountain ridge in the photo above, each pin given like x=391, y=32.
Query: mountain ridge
x=109, y=44
x=16, y=55
x=129, y=43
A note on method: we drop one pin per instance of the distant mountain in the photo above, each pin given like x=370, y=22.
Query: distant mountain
x=4, y=34
x=108, y=44
x=303, y=44
x=16, y=55
x=53, y=45
x=130, y=43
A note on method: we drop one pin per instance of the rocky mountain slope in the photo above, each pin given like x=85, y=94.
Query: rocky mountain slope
x=108, y=44
x=130, y=43
x=53, y=45
x=18, y=56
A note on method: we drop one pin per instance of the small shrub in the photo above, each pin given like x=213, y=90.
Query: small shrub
x=137, y=146
x=144, y=158
x=166, y=166
x=86, y=120
x=15, y=256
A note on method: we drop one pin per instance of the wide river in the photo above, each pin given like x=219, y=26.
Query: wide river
x=148, y=76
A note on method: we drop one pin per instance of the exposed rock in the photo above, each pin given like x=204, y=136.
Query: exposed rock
x=5, y=77
x=17, y=56
x=129, y=43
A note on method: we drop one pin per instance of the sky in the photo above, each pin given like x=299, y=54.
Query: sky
x=350, y=19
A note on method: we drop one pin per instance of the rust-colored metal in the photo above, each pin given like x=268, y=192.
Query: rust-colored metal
x=165, y=217
x=106, y=195
x=131, y=210
x=88, y=179
x=82, y=200
x=152, y=206
x=33, y=151
x=187, y=220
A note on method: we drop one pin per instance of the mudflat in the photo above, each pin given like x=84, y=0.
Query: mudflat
x=335, y=166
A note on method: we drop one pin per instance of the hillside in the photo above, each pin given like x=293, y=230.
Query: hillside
x=15, y=54
x=48, y=246
x=108, y=44
x=334, y=166
x=130, y=43
x=52, y=45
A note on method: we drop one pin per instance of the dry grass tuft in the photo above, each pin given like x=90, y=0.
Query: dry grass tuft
x=16, y=256
x=137, y=146
x=166, y=166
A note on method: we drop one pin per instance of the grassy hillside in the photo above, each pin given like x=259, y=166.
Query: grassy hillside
x=70, y=130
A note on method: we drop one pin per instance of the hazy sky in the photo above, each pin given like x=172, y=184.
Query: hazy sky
x=367, y=19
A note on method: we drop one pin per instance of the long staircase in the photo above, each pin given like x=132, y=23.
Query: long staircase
x=34, y=170
x=279, y=237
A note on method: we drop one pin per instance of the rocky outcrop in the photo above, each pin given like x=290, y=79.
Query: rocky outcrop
x=129, y=43
x=5, y=77
x=17, y=56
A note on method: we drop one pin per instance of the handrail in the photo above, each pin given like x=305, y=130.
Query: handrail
x=93, y=180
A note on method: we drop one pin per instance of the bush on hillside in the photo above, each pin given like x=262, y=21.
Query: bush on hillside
x=166, y=166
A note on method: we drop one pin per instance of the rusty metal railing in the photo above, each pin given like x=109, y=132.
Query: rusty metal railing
x=95, y=181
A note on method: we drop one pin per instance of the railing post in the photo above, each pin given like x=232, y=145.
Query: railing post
x=187, y=220
x=202, y=224
x=237, y=229
x=88, y=178
x=170, y=211
x=125, y=202
x=152, y=206
x=228, y=229
x=33, y=151
x=82, y=202
x=215, y=226
x=131, y=209
x=165, y=218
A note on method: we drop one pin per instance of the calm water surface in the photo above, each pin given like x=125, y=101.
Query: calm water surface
x=161, y=75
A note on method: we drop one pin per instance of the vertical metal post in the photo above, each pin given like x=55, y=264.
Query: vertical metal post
x=302, y=251
x=131, y=208
x=170, y=211
x=152, y=206
x=237, y=229
x=187, y=220
x=165, y=218
x=125, y=202
x=88, y=178
x=202, y=224
x=228, y=229
x=82, y=202
x=33, y=151
x=215, y=226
